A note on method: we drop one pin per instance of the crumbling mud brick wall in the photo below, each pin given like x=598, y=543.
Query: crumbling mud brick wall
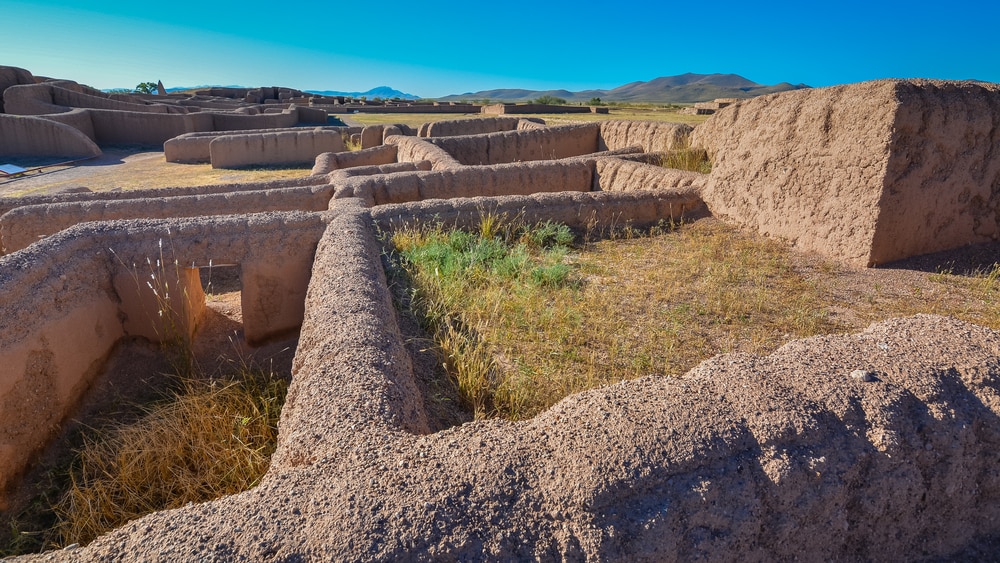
x=69, y=298
x=284, y=147
x=865, y=173
x=25, y=135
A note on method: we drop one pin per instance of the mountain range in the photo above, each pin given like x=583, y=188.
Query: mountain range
x=383, y=92
x=685, y=88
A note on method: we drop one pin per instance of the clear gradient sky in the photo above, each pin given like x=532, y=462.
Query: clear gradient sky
x=444, y=47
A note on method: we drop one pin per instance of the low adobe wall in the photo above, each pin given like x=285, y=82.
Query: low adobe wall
x=413, y=149
x=195, y=147
x=579, y=210
x=500, y=109
x=375, y=156
x=616, y=175
x=652, y=136
x=505, y=179
x=9, y=203
x=13, y=76
x=288, y=147
x=864, y=173
x=25, y=225
x=73, y=296
x=472, y=126
x=25, y=135
x=521, y=145
x=36, y=99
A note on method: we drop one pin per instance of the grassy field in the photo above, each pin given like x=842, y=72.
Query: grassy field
x=521, y=325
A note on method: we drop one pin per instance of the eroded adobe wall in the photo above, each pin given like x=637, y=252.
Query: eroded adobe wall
x=13, y=76
x=616, y=175
x=70, y=298
x=195, y=147
x=413, y=149
x=27, y=135
x=375, y=156
x=652, y=136
x=478, y=126
x=287, y=147
x=942, y=181
x=25, y=225
x=76, y=118
x=521, y=145
x=579, y=210
x=59, y=323
x=505, y=179
x=9, y=203
x=807, y=166
x=865, y=173
x=126, y=127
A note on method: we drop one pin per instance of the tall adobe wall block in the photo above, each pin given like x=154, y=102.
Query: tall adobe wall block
x=864, y=173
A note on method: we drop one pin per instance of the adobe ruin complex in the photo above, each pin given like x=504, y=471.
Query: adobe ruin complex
x=748, y=457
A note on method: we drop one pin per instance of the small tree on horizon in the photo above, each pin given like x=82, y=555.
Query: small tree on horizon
x=550, y=100
x=146, y=88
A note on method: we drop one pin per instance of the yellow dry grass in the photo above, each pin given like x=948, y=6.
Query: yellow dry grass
x=659, y=303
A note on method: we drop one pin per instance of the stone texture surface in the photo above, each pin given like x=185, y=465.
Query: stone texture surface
x=25, y=135
x=866, y=173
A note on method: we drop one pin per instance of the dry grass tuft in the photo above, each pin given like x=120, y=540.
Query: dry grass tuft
x=211, y=439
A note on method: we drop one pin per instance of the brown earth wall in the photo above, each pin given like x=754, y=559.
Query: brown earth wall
x=343, y=173
x=371, y=136
x=470, y=126
x=505, y=179
x=413, y=149
x=865, y=173
x=9, y=203
x=194, y=147
x=231, y=151
x=77, y=118
x=27, y=135
x=518, y=146
x=502, y=109
x=652, y=136
x=25, y=225
x=616, y=175
x=70, y=296
x=13, y=76
x=579, y=210
x=942, y=182
x=375, y=156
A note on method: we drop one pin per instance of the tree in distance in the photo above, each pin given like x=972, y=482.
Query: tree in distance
x=550, y=100
x=146, y=88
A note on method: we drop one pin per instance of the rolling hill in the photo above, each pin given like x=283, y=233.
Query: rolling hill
x=682, y=89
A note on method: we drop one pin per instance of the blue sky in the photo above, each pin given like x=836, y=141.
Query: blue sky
x=446, y=47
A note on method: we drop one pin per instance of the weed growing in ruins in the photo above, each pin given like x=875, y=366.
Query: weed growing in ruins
x=212, y=438
x=620, y=308
x=687, y=158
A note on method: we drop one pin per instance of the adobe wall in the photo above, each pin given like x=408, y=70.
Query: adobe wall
x=522, y=145
x=474, y=126
x=413, y=149
x=652, y=136
x=372, y=136
x=34, y=98
x=25, y=225
x=71, y=297
x=504, y=179
x=194, y=147
x=9, y=203
x=231, y=151
x=76, y=118
x=616, y=175
x=375, y=156
x=344, y=173
x=578, y=210
x=864, y=173
x=13, y=76
x=126, y=127
x=501, y=109
x=25, y=135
